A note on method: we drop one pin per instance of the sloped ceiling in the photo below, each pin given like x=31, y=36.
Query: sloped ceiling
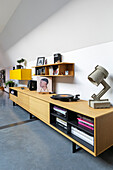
x=28, y=15
x=7, y=8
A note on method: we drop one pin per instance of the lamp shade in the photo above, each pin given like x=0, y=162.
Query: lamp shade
x=97, y=76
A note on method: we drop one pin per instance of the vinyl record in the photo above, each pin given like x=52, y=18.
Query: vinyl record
x=65, y=97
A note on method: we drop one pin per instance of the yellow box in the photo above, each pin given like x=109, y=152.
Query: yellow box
x=20, y=74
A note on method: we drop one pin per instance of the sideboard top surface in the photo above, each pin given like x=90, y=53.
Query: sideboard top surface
x=80, y=106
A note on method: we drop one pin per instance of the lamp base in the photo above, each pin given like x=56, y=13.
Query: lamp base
x=99, y=104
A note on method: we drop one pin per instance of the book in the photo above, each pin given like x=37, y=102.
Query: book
x=89, y=127
x=82, y=135
x=61, y=121
x=85, y=118
x=59, y=110
x=50, y=70
x=85, y=122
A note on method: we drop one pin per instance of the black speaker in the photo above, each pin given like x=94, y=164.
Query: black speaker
x=32, y=85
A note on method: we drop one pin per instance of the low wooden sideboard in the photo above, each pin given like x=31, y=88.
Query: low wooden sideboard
x=41, y=105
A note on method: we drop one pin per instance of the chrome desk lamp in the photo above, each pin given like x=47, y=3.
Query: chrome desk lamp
x=97, y=77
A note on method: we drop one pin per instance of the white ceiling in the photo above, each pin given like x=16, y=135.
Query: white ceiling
x=7, y=8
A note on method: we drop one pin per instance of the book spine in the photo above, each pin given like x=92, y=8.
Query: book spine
x=82, y=133
x=91, y=142
x=86, y=122
x=61, y=121
x=86, y=126
x=60, y=110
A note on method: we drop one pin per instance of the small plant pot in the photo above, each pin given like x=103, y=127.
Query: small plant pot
x=11, y=84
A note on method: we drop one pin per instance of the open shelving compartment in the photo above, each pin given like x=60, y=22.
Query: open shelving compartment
x=71, y=120
x=53, y=70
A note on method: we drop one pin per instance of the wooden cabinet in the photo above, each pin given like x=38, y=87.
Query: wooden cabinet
x=23, y=100
x=39, y=109
x=55, y=70
x=96, y=140
x=20, y=74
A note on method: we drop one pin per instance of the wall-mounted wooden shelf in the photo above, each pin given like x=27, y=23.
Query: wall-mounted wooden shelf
x=20, y=74
x=54, y=70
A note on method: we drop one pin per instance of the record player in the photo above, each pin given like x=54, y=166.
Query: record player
x=66, y=97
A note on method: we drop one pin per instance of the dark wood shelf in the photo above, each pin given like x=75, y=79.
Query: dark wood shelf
x=61, y=117
x=58, y=70
x=59, y=127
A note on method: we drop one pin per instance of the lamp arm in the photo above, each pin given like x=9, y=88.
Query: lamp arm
x=102, y=92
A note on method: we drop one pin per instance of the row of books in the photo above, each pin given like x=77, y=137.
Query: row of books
x=53, y=70
x=85, y=122
x=79, y=133
x=61, y=123
x=82, y=135
x=60, y=111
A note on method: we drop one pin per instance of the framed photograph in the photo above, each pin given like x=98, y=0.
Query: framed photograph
x=57, y=58
x=40, y=61
x=44, y=84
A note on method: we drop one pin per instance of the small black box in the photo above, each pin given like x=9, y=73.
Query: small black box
x=32, y=85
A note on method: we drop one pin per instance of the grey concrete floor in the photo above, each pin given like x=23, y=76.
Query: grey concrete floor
x=35, y=146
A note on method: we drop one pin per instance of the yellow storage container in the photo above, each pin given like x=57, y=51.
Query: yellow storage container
x=20, y=74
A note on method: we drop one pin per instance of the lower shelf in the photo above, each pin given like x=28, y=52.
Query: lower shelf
x=74, y=137
x=59, y=128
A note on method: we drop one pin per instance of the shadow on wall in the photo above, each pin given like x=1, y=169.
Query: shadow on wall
x=111, y=84
x=29, y=15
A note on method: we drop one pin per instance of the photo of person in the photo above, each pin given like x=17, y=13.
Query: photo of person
x=44, y=84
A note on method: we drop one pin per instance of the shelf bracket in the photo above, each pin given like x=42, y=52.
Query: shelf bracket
x=75, y=147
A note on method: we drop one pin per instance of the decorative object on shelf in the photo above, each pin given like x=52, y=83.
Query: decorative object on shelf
x=97, y=77
x=40, y=61
x=10, y=83
x=66, y=97
x=51, y=70
x=20, y=61
x=55, y=70
x=44, y=84
x=57, y=58
x=66, y=72
x=46, y=61
x=32, y=85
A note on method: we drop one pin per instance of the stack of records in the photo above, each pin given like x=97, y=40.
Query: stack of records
x=85, y=122
x=61, y=123
x=82, y=135
x=60, y=111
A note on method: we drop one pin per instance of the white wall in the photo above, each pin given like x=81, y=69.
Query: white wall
x=78, y=24
x=85, y=61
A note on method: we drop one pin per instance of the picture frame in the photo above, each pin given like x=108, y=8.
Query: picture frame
x=40, y=61
x=57, y=58
x=44, y=84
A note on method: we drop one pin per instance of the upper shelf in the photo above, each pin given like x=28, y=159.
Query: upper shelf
x=54, y=70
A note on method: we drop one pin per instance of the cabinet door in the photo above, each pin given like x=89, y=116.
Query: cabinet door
x=20, y=74
x=40, y=109
x=13, y=98
x=15, y=74
x=23, y=100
